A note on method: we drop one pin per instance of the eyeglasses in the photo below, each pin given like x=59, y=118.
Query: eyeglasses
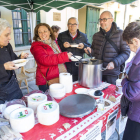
x=72, y=24
x=104, y=19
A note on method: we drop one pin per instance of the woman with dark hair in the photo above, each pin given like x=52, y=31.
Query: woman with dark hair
x=131, y=84
x=48, y=56
x=56, y=30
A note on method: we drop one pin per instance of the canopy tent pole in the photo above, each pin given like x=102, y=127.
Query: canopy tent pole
x=32, y=23
x=125, y=17
x=32, y=16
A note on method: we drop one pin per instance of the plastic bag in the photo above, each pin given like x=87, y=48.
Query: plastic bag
x=15, y=101
x=9, y=103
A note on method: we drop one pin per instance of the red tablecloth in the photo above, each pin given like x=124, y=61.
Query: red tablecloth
x=79, y=126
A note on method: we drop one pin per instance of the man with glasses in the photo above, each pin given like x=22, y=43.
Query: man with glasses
x=69, y=37
x=109, y=46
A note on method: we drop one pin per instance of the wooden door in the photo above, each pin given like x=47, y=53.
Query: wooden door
x=92, y=22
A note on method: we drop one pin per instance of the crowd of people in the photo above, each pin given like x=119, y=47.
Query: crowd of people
x=52, y=52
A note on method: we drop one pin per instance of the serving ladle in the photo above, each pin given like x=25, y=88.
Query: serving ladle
x=92, y=59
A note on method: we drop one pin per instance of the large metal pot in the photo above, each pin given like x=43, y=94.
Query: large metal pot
x=90, y=73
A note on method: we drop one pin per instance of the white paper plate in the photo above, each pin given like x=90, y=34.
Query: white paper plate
x=35, y=99
x=92, y=94
x=81, y=91
x=20, y=62
x=74, y=59
x=106, y=101
x=74, y=45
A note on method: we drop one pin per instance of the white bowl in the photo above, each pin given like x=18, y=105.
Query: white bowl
x=35, y=99
x=56, y=87
x=11, y=108
x=22, y=120
x=81, y=91
x=75, y=59
x=48, y=113
x=57, y=91
x=20, y=62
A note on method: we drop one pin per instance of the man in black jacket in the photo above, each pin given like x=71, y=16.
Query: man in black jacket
x=102, y=48
x=73, y=35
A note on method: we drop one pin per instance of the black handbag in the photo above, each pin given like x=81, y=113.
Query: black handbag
x=117, y=50
x=124, y=105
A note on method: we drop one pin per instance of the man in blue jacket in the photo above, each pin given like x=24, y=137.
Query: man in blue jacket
x=73, y=35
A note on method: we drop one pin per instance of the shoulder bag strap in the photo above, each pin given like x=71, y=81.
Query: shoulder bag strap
x=43, y=75
x=112, y=43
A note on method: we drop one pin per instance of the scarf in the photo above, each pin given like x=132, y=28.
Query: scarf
x=130, y=63
x=53, y=45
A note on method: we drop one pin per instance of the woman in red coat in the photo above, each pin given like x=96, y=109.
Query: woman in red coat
x=50, y=60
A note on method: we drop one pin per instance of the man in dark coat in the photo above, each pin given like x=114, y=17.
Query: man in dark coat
x=103, y=49
x=73, y=35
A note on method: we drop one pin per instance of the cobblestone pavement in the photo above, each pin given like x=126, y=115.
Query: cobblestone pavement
x=31, y=86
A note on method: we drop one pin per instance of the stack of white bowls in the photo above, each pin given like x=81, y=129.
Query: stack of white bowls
x=48, y=113
x=57, y=91
x=22, y=119
x=11, y=108
x=35, y=99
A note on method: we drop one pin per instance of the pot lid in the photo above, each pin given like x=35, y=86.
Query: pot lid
x=90, y=61
x=77, y=105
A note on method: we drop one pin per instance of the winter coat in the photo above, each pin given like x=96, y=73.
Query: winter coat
x=46, y=59
x=131, y=89
x=5, y=75
x=66, y=37
x=103, y=50
x=9, y=88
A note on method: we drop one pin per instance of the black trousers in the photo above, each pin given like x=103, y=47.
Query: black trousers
x=75, y=78
x=132, y=130
x=10, y=90
x=109, y=79
x=43, y=87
